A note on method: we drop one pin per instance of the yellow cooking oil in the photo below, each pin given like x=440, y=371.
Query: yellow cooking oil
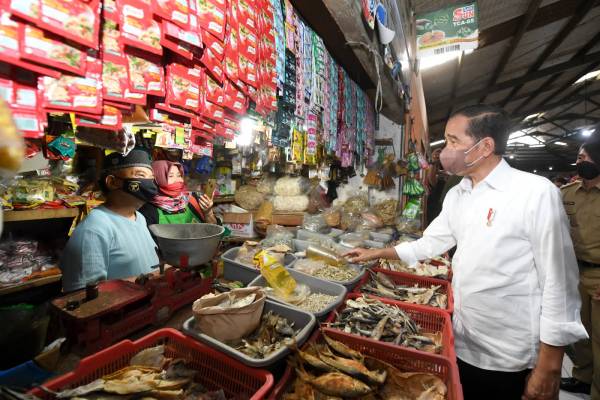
x=275, y=273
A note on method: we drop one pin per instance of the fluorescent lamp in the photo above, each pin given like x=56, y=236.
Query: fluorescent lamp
x=589, y=76
x=535, y=171
x=550, y=168
x=587, y=132
x=574, y=164
x=512, y=156
x=561, y=143
x=437, y=142
x=537, y=146
x=432, y=61
x=533, y=116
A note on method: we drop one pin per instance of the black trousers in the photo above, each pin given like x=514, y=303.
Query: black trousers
x=483, y=384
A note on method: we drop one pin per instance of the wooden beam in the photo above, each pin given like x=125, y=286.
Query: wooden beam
x=527, y=18
x=582, y=10
x=581, y=52
x=570, y=83
x=544, y=16
x=588, y=58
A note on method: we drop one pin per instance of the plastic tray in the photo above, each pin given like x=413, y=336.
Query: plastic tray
x=430, y=320
x=217, y=371
x=381, y=237
x=402, y=278
x=351, y=283
x=398, y=357
x=235, y=271
x=303, y=321
x=316, y=285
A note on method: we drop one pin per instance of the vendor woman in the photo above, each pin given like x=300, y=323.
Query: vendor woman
x=173, y=204
x=113, y=241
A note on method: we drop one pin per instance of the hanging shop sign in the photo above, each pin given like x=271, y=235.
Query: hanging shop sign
x=448, y=30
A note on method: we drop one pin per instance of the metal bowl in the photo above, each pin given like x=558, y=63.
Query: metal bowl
x=184, y=245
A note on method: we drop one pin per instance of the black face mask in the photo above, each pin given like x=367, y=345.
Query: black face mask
x=588, y=170
x=143, y=189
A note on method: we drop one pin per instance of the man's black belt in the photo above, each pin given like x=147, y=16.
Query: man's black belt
x=587, y=264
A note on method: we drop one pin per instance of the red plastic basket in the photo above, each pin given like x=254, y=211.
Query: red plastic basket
x=217, y=371
x=402, y=278
x=431, y=320
x=399, y=357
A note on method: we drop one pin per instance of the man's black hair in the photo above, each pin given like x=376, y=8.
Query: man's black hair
x=592, y=148
x=487, y=121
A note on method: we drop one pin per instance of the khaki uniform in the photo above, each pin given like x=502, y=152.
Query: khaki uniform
x=583, y=209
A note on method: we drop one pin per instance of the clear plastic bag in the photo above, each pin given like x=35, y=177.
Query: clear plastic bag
x=317, y=199
x=356, y=204
x=349, y=221
x=278, y=235
x=291, y=186
x=314, y=223
x=332, y=217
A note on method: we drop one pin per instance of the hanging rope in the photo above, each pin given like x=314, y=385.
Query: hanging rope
x=376, y=59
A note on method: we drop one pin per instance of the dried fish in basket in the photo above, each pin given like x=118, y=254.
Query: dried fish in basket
x=381, y=285
x=331, y=370
x=385, y=322
x=273, y=333
x=420, y=269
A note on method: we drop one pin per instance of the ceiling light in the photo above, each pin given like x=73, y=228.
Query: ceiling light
x=533, y=116
x=537, y=146
x=535, y=171
x=512, y=156
x=561, y=143
x=246, y=136
x=432, y=61
x=437, y=142
x=589, y=76
x=550, y=168
x=574, y=164
x=587, y=132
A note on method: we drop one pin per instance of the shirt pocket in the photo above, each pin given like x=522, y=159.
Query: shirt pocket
x=571, y=211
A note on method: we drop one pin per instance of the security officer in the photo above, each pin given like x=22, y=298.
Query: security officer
x=582, y=204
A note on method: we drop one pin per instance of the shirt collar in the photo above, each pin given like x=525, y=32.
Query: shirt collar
x=498, y=179
x=580, y=186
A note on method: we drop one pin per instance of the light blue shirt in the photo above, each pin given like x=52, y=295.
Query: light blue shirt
x=107, y=245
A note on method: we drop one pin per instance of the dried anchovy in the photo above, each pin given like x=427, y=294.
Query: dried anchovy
x=339, y=274
x=316, y=302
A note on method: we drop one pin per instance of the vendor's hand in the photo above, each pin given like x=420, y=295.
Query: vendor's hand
x=360, y=255
x=542, y=385
x=206, y=202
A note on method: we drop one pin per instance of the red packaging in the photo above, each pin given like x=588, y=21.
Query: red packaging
x=202, y=124
x=224, y=132
x=248, y=69
x=234, y=99
x=174, y=110
x=121, y=106
x=74, y=93
x=26, y=96
x=135, y=98
x=7, y=87
x=115, y=79
x=29, y=122
x=231, y=122
x=248, y=43
x=178, y=47
x=146, y=75
x=110, y=119
x=177, y=11
x=138, y=28
x=211, y=17
x=164, y=117
x=214, y=92
x=28, y=10
x=215, y=45
x=111, y=40
x=191, y=37
x=201, y=145
x=246, y=14
x=76, y=20
x=40, y=47
x=183, y=87
x=110, y=10
x=212, y=111
x=213, y=66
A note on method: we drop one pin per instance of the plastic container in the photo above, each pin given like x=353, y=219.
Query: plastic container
x=302, y=320
x=350, y=284
x=373, y=244
x=402, y=278
x=316, y=285
x=429, y=319
x=302, y=245
x=318, y=238
x=216, y=370
x=335, y=233
x=380, y=237
x=398, y=357
x=235, y=271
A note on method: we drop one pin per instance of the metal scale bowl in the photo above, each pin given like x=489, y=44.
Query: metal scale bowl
x=120, y=308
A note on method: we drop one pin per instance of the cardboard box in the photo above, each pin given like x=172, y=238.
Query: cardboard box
x=240, y=224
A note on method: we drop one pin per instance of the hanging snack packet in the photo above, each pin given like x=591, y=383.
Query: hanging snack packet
x=115, y=78
x=77, y=20
x=138, y=28
x=110, y=119
x=146, y=74
x=211, y=17
x=183, y=88
x=214, y=92
x=215, y=45
x=177, y=11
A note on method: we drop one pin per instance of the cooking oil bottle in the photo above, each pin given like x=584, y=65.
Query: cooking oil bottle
x=275, y=273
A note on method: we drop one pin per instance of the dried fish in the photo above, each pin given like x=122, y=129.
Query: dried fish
x=320, y=269
x=381, y=285
x=419, y=269
x=334, y=377
x=388, y=323
x=273, y=333
x=233, y=302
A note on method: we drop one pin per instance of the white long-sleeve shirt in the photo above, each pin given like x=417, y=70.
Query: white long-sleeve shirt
x=515, y=278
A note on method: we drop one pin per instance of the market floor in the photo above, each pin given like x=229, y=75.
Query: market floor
x=567, y=366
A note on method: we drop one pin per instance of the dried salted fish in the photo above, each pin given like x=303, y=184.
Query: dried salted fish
x=385, y=322
x=419, y=269
x=381, y=285
x=336, y=384
x=150, y=357
x=273, y=333
x=233, y=302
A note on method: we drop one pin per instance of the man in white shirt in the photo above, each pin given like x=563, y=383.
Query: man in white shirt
x=515, y=273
